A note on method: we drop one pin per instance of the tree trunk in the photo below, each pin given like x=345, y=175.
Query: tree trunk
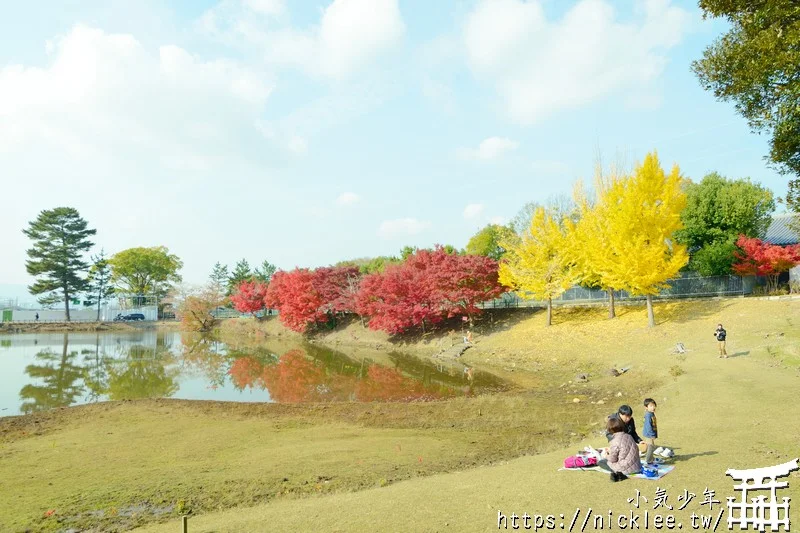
x=611, y=311
x=98, y=304
x=66, y=302
x=651, y=319
x=549, y=311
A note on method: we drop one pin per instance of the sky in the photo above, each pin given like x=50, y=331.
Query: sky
x=310, y=132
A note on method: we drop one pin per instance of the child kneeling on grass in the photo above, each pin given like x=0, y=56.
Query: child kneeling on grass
x=622, y=455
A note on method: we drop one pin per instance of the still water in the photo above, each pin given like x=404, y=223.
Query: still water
x=40, y=371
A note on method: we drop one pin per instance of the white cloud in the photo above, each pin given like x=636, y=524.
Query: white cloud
x=140, y=139
x=350, y=35
x=348, y=198
x=541, y=66
x=105, y=93
x=490, y=148
x=473, y=210
x=402, y=227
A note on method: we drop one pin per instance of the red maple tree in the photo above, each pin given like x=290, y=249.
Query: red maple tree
x=429, y=286
x=338, y=287
x=249, y=296
x=759, y=258
x=306, y=297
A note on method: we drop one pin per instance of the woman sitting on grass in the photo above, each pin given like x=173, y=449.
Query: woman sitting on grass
x=622, y=454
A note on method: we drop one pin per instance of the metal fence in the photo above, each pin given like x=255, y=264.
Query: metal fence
x=683, y=287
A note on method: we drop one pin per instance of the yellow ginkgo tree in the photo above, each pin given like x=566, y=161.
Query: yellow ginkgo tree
x=633, y=226
x=590, y=245
x=538, y=264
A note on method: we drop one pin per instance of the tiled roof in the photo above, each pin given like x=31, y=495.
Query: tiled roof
x=779, y=231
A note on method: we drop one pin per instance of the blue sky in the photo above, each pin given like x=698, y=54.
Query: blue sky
x=308, y=132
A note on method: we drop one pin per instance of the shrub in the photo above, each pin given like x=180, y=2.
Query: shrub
x=676, y=371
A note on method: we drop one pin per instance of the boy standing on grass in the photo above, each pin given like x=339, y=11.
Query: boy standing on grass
x=650, y=429
x=720, y=335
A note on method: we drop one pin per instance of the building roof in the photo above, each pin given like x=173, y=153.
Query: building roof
x=779, y=231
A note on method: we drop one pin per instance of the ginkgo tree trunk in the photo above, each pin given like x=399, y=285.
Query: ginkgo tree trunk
x=539, y=264
x=639, y=215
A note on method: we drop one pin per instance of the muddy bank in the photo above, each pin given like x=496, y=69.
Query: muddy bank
x=66, y=327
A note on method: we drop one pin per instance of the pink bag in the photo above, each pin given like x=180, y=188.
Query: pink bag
x=579, y=461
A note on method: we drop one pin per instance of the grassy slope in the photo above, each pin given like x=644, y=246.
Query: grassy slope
x=735, y=413
x=719, y=415
x=206, y=456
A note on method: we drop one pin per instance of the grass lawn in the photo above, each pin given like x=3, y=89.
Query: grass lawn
x=429, y=466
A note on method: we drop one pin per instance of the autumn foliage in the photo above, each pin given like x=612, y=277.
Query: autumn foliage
x=249, y=296
x=305, y=297
x=428, y=287
x=758, y=258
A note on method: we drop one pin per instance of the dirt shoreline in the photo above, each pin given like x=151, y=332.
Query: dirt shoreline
x=78, y=327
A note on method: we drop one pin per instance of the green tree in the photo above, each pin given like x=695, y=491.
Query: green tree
x=488, y=240
x=792, y=201
x=717, y=211
x=99, y=287
x=370, y=265
x=219, y=278
x=407, y=251
x=265, y=271
x=241, y=272
x=756, y=64
x=714, y=259
x=143, y=271
x=49, y=300
x=60, y=239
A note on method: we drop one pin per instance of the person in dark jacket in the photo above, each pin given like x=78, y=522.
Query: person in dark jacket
x=720, y=334
x=625, y=413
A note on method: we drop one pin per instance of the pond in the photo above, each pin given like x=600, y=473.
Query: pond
x=40, y=371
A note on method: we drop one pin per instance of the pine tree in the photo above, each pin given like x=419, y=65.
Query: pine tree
x=218, y=279
x=60, y=239
x=99, y=287
x=241, y=272
x=265, y=271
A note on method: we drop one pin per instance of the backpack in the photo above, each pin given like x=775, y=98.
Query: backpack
x=579, y=461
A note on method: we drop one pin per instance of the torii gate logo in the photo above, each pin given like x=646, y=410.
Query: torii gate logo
x=760, y=513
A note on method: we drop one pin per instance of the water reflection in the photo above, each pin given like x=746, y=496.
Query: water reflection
x=58, y=370
x=59, y=380
x=313, y=374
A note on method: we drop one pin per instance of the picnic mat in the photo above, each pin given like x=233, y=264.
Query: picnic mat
x=663, y=470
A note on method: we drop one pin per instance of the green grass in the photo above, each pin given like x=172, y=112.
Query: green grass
x=424, y=466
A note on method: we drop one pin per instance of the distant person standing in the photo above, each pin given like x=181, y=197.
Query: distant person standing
x=37, y=317
x=720, y=334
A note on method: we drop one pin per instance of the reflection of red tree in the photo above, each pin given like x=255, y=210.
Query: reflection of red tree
x=246, y=372
x=294, y=379
x=389, y=385
x=298, y=379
